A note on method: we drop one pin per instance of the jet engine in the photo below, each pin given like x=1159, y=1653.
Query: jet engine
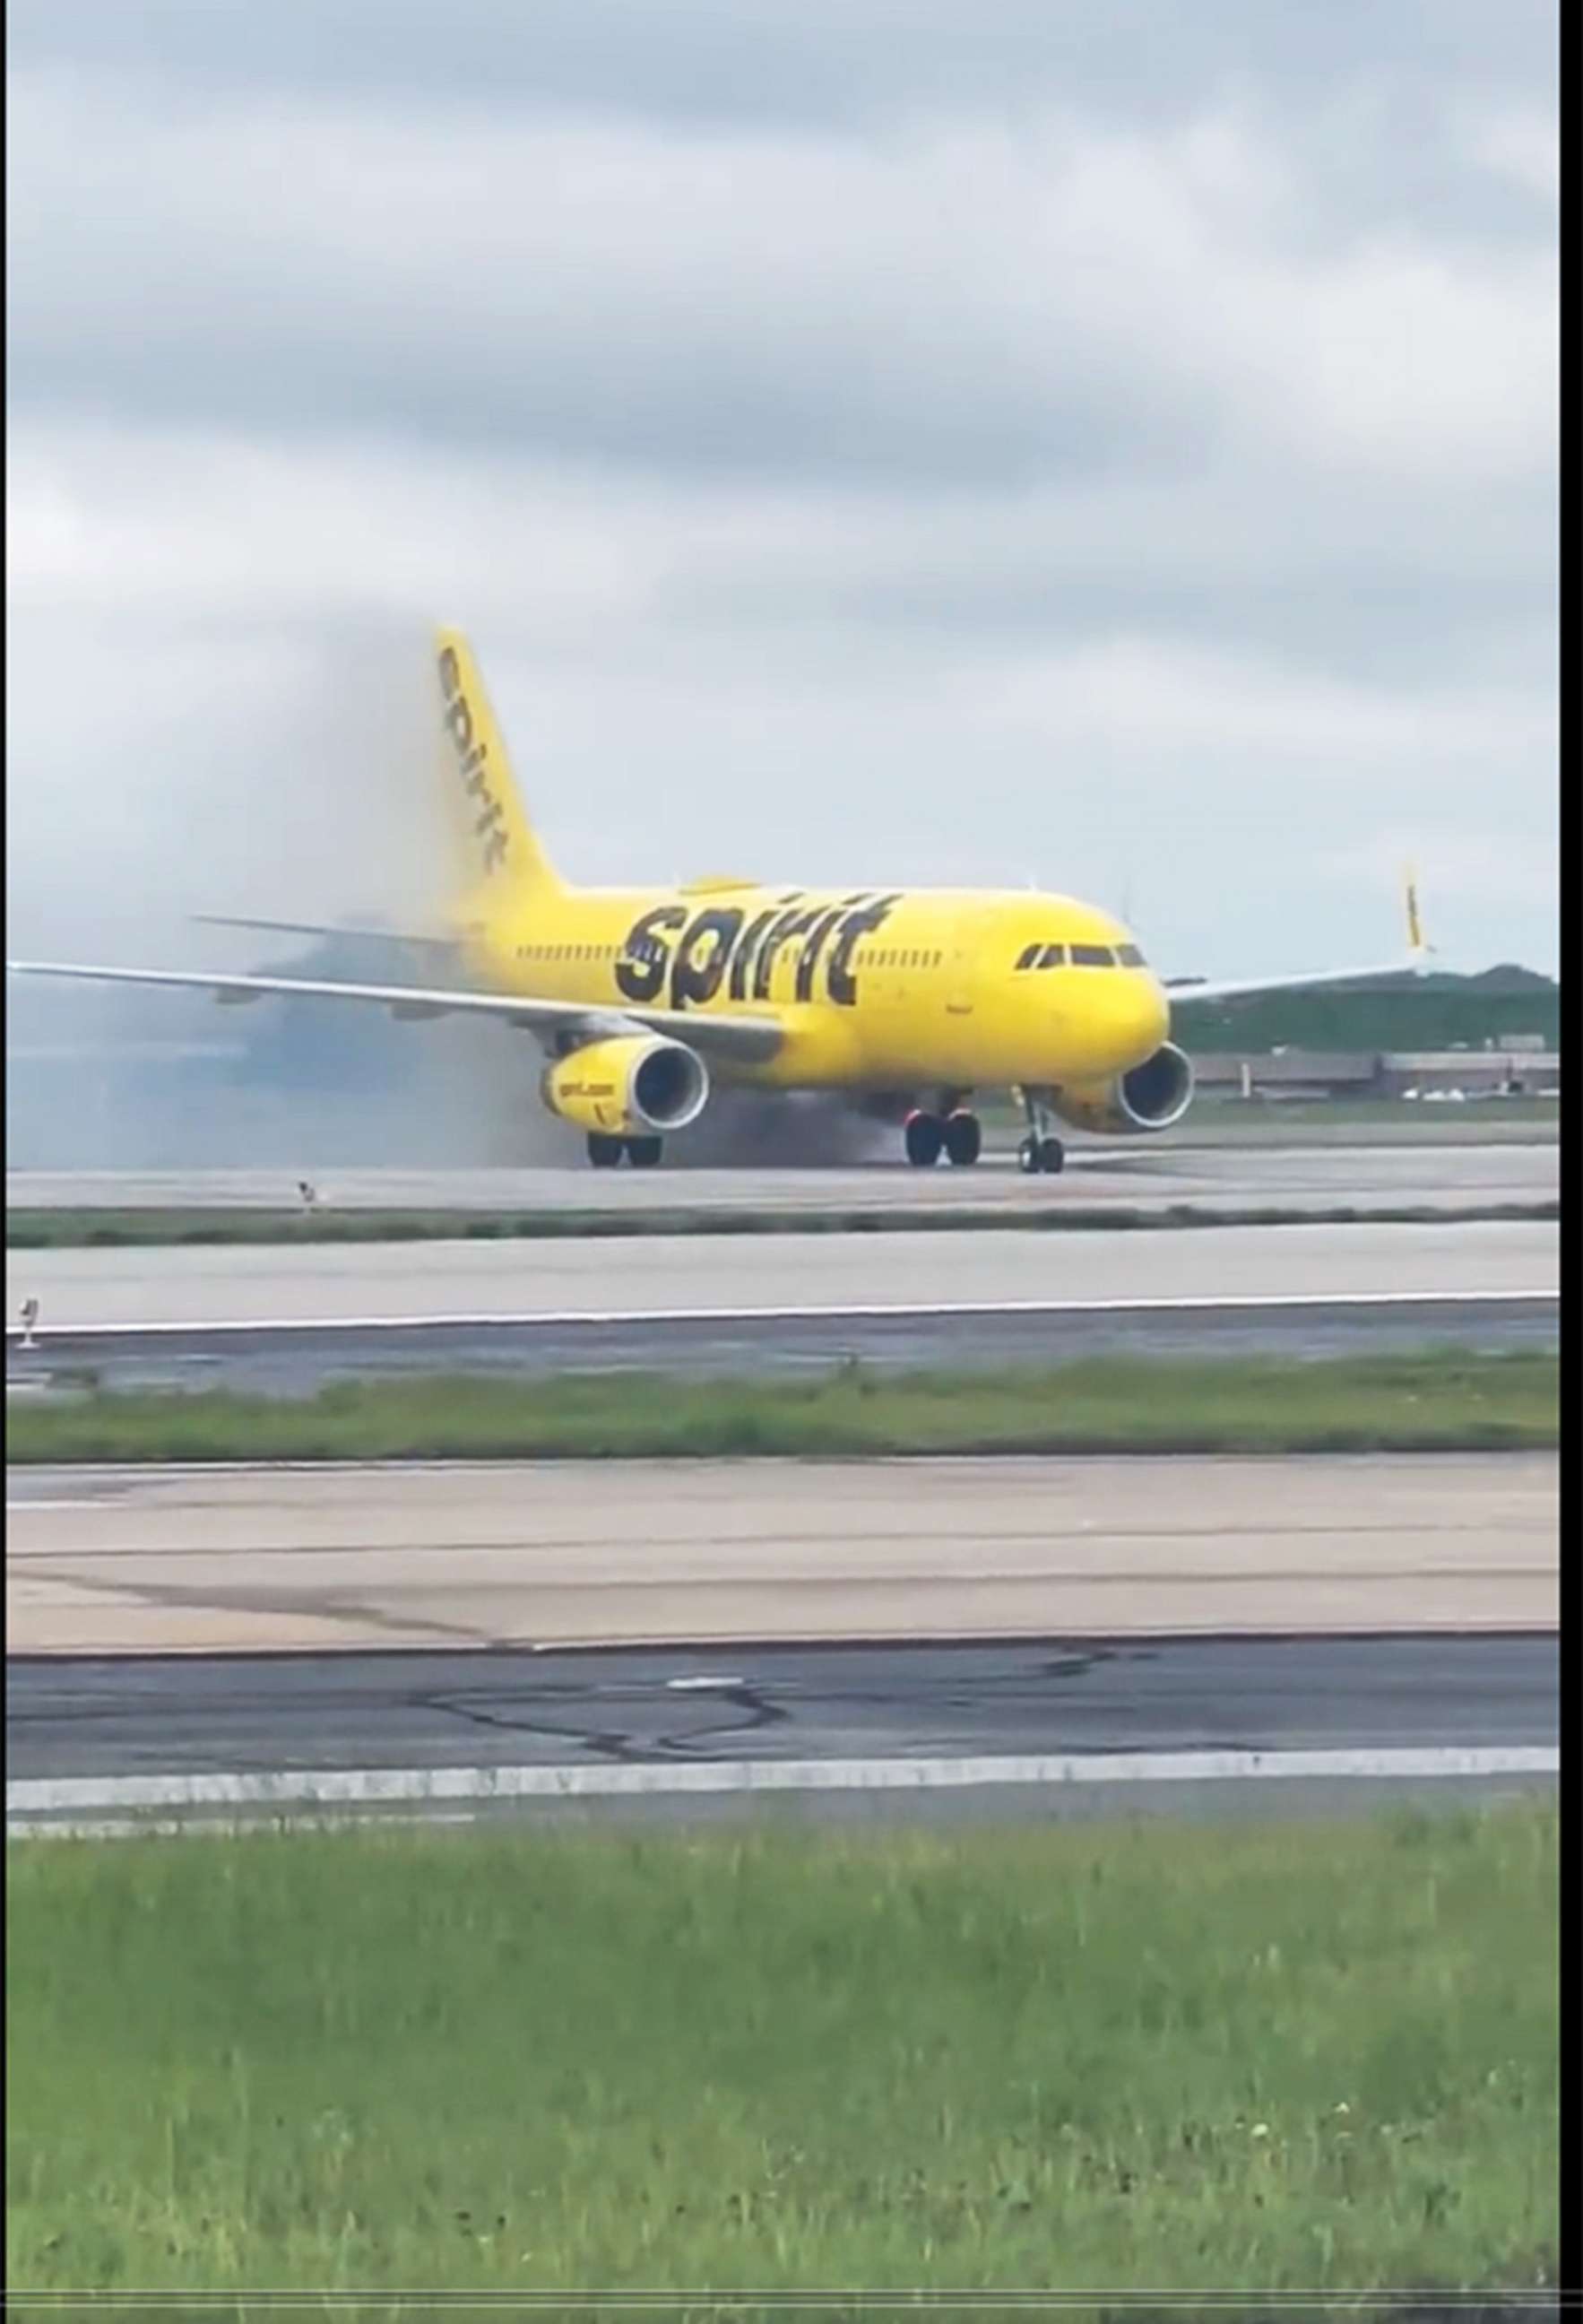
x=1154, y=1095
x=634, y=1086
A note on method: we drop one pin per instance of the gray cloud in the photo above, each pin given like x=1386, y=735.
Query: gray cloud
x=808, y=61
x=997, y=301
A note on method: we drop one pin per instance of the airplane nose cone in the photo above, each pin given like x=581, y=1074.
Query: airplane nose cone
x=1153, y=1013
x=1141, y=1017
x=1108, y=1024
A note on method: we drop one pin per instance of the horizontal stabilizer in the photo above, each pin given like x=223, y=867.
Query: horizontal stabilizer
x=329, y=930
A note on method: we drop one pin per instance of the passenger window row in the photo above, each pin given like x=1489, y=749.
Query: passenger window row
x=568, y=952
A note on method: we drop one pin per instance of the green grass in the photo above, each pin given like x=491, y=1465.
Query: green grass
x=1432, y=1400
x=75, y=1230
x=1092, y=2057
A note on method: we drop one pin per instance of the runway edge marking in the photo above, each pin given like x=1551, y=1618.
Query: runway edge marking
x=557, y=1319
x=34, y=1805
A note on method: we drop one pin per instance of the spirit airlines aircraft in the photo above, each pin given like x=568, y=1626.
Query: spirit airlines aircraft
x=910, y=999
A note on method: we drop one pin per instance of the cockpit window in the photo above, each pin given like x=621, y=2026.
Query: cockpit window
x=1057, y=955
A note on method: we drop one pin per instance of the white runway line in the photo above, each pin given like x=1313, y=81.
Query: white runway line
x=41, y=1805
x=561, y=1318
x=811, y=1283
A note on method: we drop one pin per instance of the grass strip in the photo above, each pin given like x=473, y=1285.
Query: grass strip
x=1274, y=2059
x=1434, y=1400
x=75, y=1230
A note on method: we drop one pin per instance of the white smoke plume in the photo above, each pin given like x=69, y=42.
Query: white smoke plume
x=280, y=776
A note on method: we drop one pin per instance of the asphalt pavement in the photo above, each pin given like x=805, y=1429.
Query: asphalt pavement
x=85, y=1716
x=207, y=1286
x=1052, y=1726
x=1414, y=1162
x=286, y=1321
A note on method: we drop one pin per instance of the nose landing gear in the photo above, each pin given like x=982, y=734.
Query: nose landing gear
x=1037, y=1154
x=1041, y=1151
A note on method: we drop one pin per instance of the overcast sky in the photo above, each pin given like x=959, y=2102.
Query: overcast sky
x=1104, y=443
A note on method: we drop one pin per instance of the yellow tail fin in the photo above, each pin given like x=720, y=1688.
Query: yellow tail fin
x=497, y=844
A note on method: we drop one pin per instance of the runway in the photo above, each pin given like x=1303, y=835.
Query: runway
x=126, y=1561
x=666, y=1274
x=1207, y=1637
x=298, y=1360
x=186, y=1715
x=1412, y=1168
x=1054, y=1727
x=286, y=1321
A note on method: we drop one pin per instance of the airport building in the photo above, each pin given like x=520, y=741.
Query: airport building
x=1513, y=1066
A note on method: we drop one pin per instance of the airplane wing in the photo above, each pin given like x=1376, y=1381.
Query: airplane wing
x=743, y=1039
x=1185, y=990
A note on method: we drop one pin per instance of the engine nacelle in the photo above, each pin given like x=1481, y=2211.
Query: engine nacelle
x=632, y=1086
x=1154, y=1095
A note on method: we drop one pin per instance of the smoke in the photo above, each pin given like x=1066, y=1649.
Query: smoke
x=282, y=771
x=773, y=1129
x=278, y=772
x=289, y=775
x=739, y=1128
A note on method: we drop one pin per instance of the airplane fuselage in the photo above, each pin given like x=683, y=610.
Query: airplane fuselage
x=873, y=987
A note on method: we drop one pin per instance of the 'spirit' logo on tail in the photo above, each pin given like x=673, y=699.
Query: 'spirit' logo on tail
x=472, y=764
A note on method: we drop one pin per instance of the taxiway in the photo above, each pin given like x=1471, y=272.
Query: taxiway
x=1413, y=1169
x=282, y=1558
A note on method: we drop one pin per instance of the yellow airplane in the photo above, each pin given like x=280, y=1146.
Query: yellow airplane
x=910, y=999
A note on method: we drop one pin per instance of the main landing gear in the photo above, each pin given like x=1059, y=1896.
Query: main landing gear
x=1041, y=1149
x=605, y=1151
x=957, y=1134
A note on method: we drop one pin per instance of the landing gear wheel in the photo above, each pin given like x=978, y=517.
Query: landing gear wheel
x=643, y=1153
x=1041, y=1154
x=925, y=1135
x=604, y=1151
x=963, y=1140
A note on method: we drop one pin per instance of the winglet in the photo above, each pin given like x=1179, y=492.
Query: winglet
x=1417, y=947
